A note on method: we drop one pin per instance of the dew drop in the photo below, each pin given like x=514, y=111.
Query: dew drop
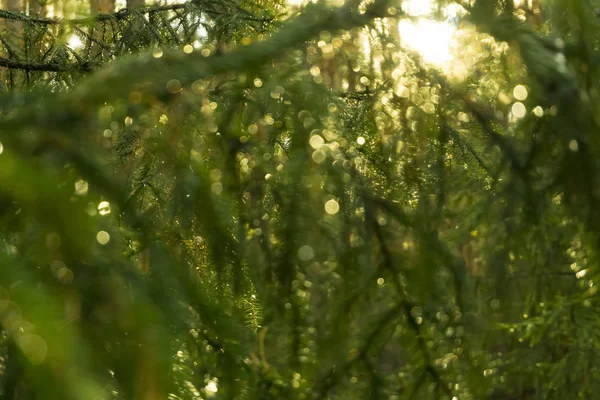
x=518, y=110
x=102, y=237
x=81, y=187
x=520, y=92
x=104, y=208
x=332, y=207
x=573, y=145
x=306, y=253
x=316, y=141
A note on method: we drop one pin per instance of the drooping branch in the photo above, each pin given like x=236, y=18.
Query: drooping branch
x=47, y=67
x=117, y=16
x=149, y=75
x=189, y=68
x=88, y=29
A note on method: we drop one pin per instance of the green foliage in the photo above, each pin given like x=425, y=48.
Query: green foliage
x=247, y=200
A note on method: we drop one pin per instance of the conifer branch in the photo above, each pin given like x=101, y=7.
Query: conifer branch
x=149, y=75
x=118, y=15
x=189, y=68
x=46, y=67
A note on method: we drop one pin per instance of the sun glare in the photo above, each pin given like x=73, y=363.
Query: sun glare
x=418, y=7
x=431, y=39
x=75, y=42
x=434, y=40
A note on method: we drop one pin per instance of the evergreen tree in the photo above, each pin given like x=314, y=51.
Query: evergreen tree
x=249, y=199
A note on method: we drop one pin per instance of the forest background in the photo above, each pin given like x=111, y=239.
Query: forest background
x=257, y=199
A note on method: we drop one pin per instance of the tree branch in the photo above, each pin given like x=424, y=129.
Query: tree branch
x=117, y=16
x=149, y=75
x=48, y=67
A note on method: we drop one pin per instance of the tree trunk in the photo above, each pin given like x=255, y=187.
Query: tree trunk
x=102, y=6
x=13, y=28
x=135, y=3
x=13, y=42
x=37, y=8
x=536, y=12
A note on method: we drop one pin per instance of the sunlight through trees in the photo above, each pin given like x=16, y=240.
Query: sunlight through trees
x=256, y=199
